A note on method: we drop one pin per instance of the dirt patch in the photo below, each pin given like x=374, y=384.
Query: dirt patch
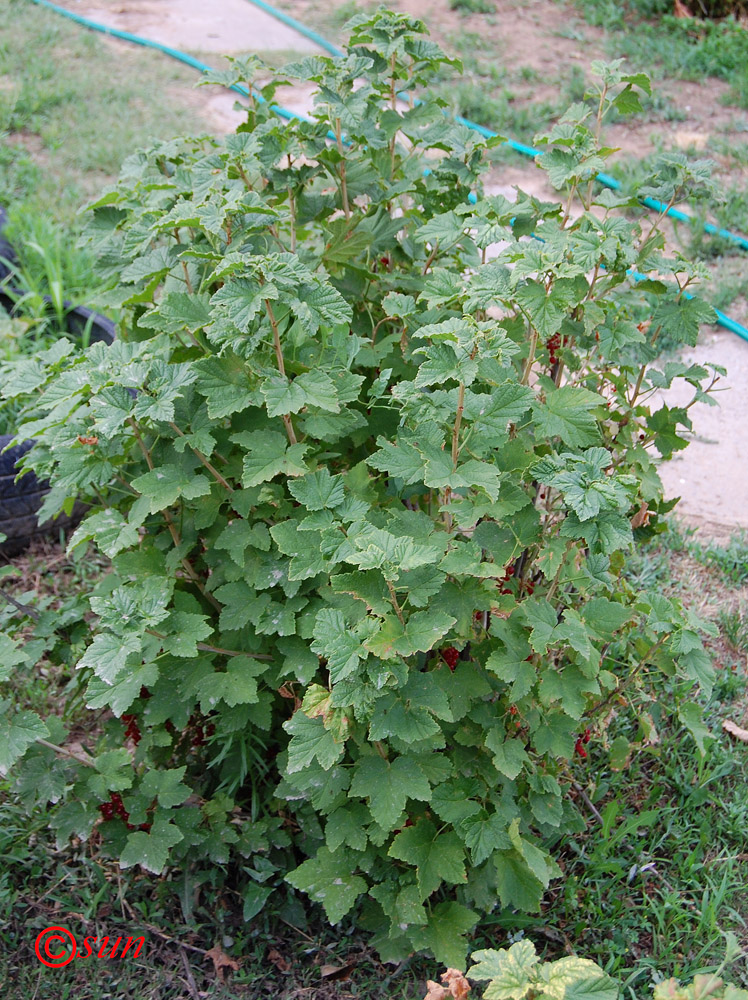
x=711, y=475
x=228, y=27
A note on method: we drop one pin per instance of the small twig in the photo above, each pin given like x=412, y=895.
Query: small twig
x=431, y=257
x=81, y=758
x=458, y=421
x=343, y=184
x=211, y=469
x=588, y=802
x=396, y=606
x=281, y=366
x=25, y=609
x=188, y=972
x=206, y=648
x=171, y=940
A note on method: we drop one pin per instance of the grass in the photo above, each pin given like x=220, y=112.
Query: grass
x=645, y=32
x=48, y=277
x=66, y=134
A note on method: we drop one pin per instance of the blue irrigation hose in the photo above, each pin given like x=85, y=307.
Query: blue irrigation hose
x=605, y=179
x=722, y=319
x=302, y=29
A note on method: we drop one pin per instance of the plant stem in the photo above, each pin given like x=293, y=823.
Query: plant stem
x=343, y=186
x=281, y=367
x=211, y=469
x=431, y=256
x=458, y=421
x=80, y=757
x=395, y=605
x=207, y=648
x=530, y=357
x=292, y=214
x=188, y=567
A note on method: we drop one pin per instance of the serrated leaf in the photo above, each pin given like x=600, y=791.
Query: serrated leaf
x=566, y=414
x=17, y=733
x=328, y=879
x=166, y=786
x=387, y=785
x=163, y=486
x=310, y=741
x=268, y=454
x=318, y=490
x=437, y=857
x=509, y=970
x=446, y=933
x=151, y=850
x=226, y=383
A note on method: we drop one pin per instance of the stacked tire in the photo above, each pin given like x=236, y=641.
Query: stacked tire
x=21, y=498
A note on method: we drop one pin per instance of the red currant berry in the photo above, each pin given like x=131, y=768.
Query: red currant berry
x=450, y=656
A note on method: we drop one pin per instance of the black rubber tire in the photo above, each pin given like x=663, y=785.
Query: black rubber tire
x=20, y=500
x=7, y=253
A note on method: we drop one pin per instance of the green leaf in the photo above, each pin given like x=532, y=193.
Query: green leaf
x=310, y=741
x=318, y=490
x=566, y=413
x=335, y=641
x=691, y=715
x=10, y=655
x=437, y=857
x=509, y=969
x=226, y=383
x=387, y=785
x=446, y=934
x=268, y=454
x=328, y=879
x=166, y=786
x=509, y=755
x=517, y=885
x=151, y=850
x=17, y=733
x=109, y=529
x=346, y=825
x=237, y=685
x=162, y=487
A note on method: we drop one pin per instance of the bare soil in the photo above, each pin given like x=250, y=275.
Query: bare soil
x=711, y=476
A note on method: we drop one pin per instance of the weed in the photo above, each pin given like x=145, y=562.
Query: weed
x=734, y=625
x=69, y=132
x=730, y=559
x=473, y=6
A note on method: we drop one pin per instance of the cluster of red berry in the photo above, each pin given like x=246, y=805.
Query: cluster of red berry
x=114, y=808
x=553, y=344
x=581, y=743
x=502, y=581
x=132, y=732
x=198, y=731
x=450, y=655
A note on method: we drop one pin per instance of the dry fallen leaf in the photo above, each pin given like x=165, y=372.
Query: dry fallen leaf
x=641, y=516
x=336, y=973
x=459, y=987
x=221, y=961
x=734, y=730
x=435, y=991
x=282, y=964
x=680, y=9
